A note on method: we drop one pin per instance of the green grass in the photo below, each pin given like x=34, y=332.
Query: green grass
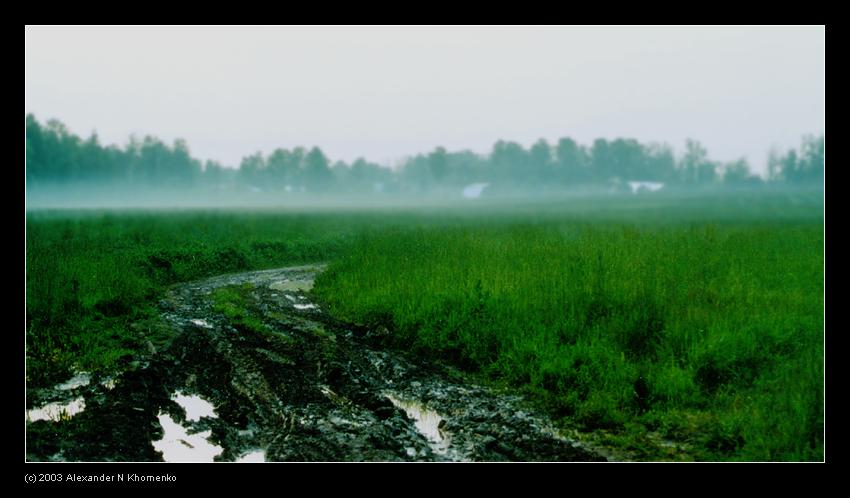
x=697, y=319
x=232, y=303
x=94, y=278
x=706, y=329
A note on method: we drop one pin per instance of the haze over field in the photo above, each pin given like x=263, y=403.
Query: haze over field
x=385, y=93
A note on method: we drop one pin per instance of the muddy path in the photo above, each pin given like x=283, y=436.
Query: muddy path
x=257, y=372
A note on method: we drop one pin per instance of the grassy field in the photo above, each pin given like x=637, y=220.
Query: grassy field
x=94, y=278
x=697, y=319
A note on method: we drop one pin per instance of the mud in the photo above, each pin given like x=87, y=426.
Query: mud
x=303, y=387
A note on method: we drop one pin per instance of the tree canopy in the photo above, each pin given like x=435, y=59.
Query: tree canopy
x=54, y=155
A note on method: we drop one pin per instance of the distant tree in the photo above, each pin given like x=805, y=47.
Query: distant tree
x=791, y=170
x=133, y=160
x=694, y=156
x=119, y=162
x=738, y=173
x=213, y=173
x=509, y=161
x=183, y=169
x=438, y=164
x=627, y=160
x=298, y=158
x=251, y=170
x=94, y=160
x=317, y=173
x=54, y=154
x=695, y=166
x=572, y=162
x=466, y=167
x=811, y=163
x=152, y=160
x=36, y=167
x=284, y=167
x=365, y=176
x=707, y=173
x=774, y=165
x=341, y=176
x=660, y=163
x=61, y=152
x=540, y=163
x=601, y=162
x=805, y=166
x=158, y=164
x=359, y=172
x=415, y=173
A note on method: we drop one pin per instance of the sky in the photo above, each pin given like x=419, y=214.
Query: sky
x=384, y=93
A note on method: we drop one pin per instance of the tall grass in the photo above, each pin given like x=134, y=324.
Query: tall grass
x=93, y=278
x=709, y=332
x=699, y=319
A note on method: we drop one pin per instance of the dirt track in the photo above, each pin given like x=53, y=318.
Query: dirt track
x=301, y=387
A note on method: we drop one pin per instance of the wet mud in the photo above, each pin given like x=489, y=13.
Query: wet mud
x=288, y=384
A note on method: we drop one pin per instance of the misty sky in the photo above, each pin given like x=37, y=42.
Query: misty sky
x=384, y=93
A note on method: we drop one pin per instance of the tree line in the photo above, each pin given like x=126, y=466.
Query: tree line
x=54, y=155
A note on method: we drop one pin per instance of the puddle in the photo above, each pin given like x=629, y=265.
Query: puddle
x=426, y=421
x=177, y=445
x=57, y=411
x=195, y=406
x=291, y=298
x=79, y=380
x=254, y=456
x=305, y=306
x=201, y=323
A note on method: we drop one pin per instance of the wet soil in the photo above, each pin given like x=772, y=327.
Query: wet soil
x=292, y=384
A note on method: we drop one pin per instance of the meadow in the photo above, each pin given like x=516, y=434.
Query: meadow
x=696, y=318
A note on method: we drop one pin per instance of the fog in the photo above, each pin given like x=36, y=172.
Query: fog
x=162, y=116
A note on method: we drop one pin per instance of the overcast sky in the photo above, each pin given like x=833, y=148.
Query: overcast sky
x=384, y=93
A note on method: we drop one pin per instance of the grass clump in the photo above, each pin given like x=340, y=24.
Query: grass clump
x=232, y=302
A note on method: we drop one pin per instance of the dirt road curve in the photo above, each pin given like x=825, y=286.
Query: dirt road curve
x=277, y=379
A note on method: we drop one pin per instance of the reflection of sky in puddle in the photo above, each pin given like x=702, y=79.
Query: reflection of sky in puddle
x=201, y=323
x=79, y=380
x=426, y=422
x=304, y=306
x=195, y=406
x=254, y=456
x=177, y=445
x=56, y=411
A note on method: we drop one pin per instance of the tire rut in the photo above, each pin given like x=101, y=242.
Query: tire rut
x=287, y=382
